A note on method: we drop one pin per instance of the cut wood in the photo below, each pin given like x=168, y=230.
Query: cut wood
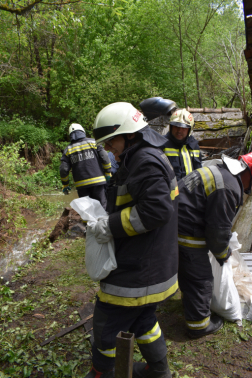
x=67, y=330
x=214, y=148
x=84, y=311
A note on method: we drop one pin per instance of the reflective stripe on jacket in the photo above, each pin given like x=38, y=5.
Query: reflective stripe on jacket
x=142, y=203
x=184, y=159
x=88, y=162
x=208, y=201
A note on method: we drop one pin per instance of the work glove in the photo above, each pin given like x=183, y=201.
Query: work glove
x=66, y=190
x=107, y=177
x=102, y=231
x=221, y=261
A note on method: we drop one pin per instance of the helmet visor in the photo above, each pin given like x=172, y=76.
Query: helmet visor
x=101, y=132
x=179, y=124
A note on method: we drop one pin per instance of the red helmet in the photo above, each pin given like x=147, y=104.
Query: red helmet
x=247, y=160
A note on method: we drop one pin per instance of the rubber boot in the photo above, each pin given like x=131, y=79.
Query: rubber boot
x=216, y=323
x=159, y=369
x=100, y=374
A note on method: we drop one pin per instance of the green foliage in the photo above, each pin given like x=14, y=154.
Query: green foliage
x=15, y=170
x=11, y=163
x=249, y=141
x=64, y=64
x=33, y=134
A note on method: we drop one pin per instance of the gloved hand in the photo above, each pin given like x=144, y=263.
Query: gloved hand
x=107, y=177
x=102, y=231
x=221, y=262
x=66, y=190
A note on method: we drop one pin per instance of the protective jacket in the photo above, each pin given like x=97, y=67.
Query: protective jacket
x=183, y=157
x=209, y=199
x=142, y=203
x=88, y=161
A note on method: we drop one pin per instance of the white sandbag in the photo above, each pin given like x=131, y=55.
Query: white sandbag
x=100, y=258
x=242, y=279
x=225, y=301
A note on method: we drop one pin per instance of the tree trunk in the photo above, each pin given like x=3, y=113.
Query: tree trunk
x=181, y=57
x=197, y=80
x=48, y=79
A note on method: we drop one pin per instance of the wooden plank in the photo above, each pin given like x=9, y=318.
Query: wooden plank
x=67, y=330
x=214, y=148
x=84, y=312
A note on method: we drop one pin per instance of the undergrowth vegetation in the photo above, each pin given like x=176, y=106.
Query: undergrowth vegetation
x=13, y=222
x=49, y=298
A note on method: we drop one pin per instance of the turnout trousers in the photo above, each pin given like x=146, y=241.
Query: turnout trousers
x=109, y=320
x=196, y=284
x=96, y=192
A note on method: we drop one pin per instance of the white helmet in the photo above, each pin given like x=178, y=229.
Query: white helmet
x=182, y=118
x=117, y=118
x=74, y=127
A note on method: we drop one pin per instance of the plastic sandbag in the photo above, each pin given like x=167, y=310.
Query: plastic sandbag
x=100, y=258
x=225, y=300
x=242, y=279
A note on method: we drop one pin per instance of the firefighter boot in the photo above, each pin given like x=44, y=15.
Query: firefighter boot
x=215, y=324
x=159, y=369
x=100, y=374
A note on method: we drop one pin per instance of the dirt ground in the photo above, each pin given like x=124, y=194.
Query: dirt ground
x=46, y=297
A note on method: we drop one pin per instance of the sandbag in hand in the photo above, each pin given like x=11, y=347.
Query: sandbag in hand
x=102, y=231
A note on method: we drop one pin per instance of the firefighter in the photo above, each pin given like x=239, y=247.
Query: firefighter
x=181, y=147
x=142, y=207
x=89, y=164
x=209, y=198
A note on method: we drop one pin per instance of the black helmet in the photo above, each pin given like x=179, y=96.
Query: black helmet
x=157, y=106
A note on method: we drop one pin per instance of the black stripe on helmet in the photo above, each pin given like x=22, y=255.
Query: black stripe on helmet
x=179, y=124
x=104, y=131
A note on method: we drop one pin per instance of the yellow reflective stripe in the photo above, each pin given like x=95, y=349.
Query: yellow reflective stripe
x=195, y=153
x=151, y=336
x=108, y=352
x=187, y=160
x=208, y=180
x=197, y=325
x=171, y=152
x=125, y=219
x=191, y=242
x=106, y=166
x=121, y=200
x=80, y=148
x=108, y=174
x=174, y=193
x=90, y=181
x=128, y=302
x=223, y=254
x=64, y=186
x=65, y=178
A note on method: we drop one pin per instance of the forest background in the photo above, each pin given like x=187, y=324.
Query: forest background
x=62, y=61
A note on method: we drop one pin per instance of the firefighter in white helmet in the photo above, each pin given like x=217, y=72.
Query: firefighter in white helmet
x=142, y=208
x=90, y=165
x=181, y=147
